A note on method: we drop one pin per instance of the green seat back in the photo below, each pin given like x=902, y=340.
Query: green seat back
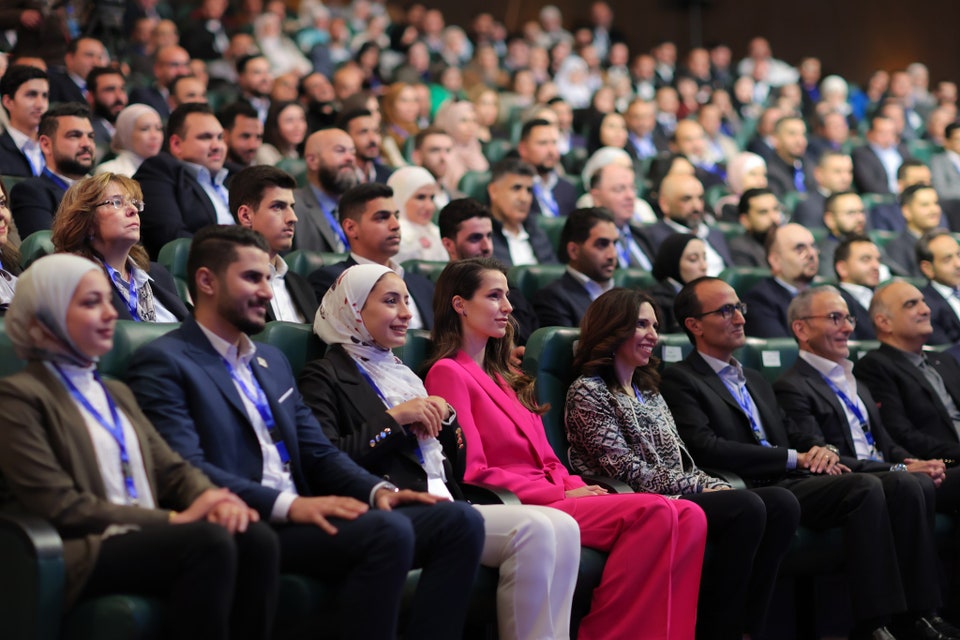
x=771, y=356
x=429, y=269
x=296, y=341
x=9, y=362
x=870, y=200
x=416, y=350
x=128, y=336
x=714, y=193
x=10, y=181
x=574, y=160
x=672, y=348
x=473, y=184
x=923, y=150
x=742, y=279
x=549, y=358
x=881, y=237
x=303, y=262
x=35, y=246
x=533, y=277
x=860, y=348
x=553, y=227
x=633, y=278
x=296, y=167
x=730, y=230
x=790, y=201
x=496, y=150
x=173, y=256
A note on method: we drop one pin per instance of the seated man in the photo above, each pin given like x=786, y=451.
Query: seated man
x=875, y=164
x=921, y=211
x=183, y=189
x=24, y=92
x=517, y=239
x=371, y=221
x=790, y=168
x=856, y=263
x=794, y=261
x=729, y=418
x=588, y=244
x=918, y=393
x=364, y=131
x=613, y=187
x=760, y=213
x=431, y=150
x=552, y=195
x=69, y=149
x=242, y=133
x=262, y=200
x=938, y=254
x=231, y=407
x=466, y=231
x=843, y=215
x=331, y=170
x=887, y=216
x=833, y=174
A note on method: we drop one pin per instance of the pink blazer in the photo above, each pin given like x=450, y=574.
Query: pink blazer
x=506, y=443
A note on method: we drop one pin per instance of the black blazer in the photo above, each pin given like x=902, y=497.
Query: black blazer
x=304, y=299
x=561, y=303
x=175, y=205
x=901, y=253
x=946, y=325
x=818, y=418
x=665, y=294
x=152, y=97
x=747, y=252
x=63, y=89
x=164, y=290
x=524, y=314
x=657, y=233
x=714, y=427
x=542, y=248
x=767, y=310
x=911, y=410
x=352, y=416
x=564, y=193
x=809, y=212
x=33, y=203
x=780, y=175
x=420, y=288
x=869, y=176
x=12, y=160
x=864, y=329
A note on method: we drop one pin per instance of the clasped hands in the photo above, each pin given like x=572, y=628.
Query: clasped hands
x=424, y=417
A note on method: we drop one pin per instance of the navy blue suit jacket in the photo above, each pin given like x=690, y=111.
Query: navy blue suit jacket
x=63, y=88
x=539, y=241
x=12, y=160
x=561, y=303
x=869, y=176
x=183, y=386
x=767, y=310
x=657, y=233
x=864, y=329
x=152, y=97
x=946, y=325
x=566, y=196
x=33, y=204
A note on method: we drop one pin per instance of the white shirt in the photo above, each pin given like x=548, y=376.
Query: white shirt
x=416, y=318
x=141, y=278
x=950, y=295
x=282, y=304
x=594, y=288
x=521, y=251
x=30, y=148
x=891, y=161
x=860, y=293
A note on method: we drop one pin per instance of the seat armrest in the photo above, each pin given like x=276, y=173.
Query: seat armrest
x=32, y=578
x=488, y=494
x=733, y=479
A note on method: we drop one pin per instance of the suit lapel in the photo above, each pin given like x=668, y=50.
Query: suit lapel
x=712, y=380
x=319, y=218
x=268, y=381
x=815, y=381
x=914, y=372
x=202, y=352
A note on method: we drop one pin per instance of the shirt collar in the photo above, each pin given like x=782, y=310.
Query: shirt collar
x=279, y=267
x=862, y=294
x=328, y=203
x=944, y=290
x=228, y=351
x=202, y=174
x=789, y=287
x=719, y=365
x=20, y=138
x=549, y=183
x=702, y=230
x=392, y=264
x=589, y=282
x=826, y=366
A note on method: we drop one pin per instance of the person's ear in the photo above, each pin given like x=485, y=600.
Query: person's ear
x=206, y=281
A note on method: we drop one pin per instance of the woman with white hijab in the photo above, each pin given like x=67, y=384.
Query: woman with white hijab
x=414, y=190
x=133, y=515
x=377, y=410
x=138, y=136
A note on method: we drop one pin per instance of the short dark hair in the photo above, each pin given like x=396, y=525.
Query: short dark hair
x=578, y=225
x=50, y=120
x=744, y=205
x=98, y=72
x=687, y=304
x=533, y=124
x=833, y=197
x=229, y=114
x=248, y=185
x=355, y=199
x=243, y=61
x=172, y=87
x=425, y=133
x=345, y=118
x=908, y=194
x=457, y=212
x=177, y=124
x=876, y=118
x=512, y=166
x=74, y=45
x=16, y=76
x=908, y=163
x=215, y=247
x=842, y=252
x=950, y=128
x=923, y=244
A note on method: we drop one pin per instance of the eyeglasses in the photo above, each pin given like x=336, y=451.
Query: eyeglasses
x=836, y=318
x=119, y=202
x=726, y=311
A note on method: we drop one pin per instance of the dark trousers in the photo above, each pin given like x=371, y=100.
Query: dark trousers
x=369, y=559
x=748, y=533
x=216, y=585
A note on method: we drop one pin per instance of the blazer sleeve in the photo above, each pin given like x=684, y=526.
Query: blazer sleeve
x=448, y=380
x=765, y=319
x=162, y=218
x=31, y=207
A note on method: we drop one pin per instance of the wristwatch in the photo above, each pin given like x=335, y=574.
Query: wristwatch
x=898, y=467
x=832, y=449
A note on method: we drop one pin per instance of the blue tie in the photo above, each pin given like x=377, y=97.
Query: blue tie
x=798, y=181
x=548, y=203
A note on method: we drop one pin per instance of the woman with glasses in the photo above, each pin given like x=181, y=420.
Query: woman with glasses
x=619, y=425
x=99, y=219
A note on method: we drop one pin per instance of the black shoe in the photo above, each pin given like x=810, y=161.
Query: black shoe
x=882, y=633
x=945, y=629
x=932, y=628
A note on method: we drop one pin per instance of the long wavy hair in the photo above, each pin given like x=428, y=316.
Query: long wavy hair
x=463, y=278
x=75, y=224
x=610, y=321
x=9, y=254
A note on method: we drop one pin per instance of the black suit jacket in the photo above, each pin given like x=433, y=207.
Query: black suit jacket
x=780, y=175
x=901, y=255
x=561, y=303
x=767, y=310
x=657, y=233
x=420, y=288
x=12, y=160
x=665, y=294
x=747, y=252
x=151, y=96
x=542, y=248
x=809, y=212
x=63, y=89
x=910, y=408
x=818, y=418
x=164, y=290
x=33, y=204
x=864, y=329
x=304, y=299
x=946, y=325
x=566, y=196
x=869, y=176
x=353, y=415
x=175, y=205
x=524, y=314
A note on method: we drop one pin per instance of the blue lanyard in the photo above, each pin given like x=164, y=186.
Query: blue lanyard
x=114, y=428
x=258, y=399
x=746, y=403
x=854, y=409
x=132, y=296
x=548, y=204
x=636, y=392
x=370, y=381
x=57, y=180
x=335, y=225
x=624, y=252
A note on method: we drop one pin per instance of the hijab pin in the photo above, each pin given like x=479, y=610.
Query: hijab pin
x=262, y=362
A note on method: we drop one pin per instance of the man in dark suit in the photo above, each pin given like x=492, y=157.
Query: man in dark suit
x=789, y=168
x=552, y=195
x=183, y=189
x=24, y=92
x=643, y=135
x=794, y=262
x=760, y=212
x=232, y=409
x=169, y=62
x=204, y=35
x=107, y=97
x=833, y=174
x=70, y=83
x=517, y=238
x=588, y=244
x=255, y=82
x=762, y=143
x=843, y=215
x=917, y=393
x=362, y=128
x=875, y=164
x=242, y=133
x=681, y=200
x=613, y=187
x=729, y=418
x=944, y=167
x=371, y=220
x=331, y=171
x=66, y=138
x=920, y=206
x=431, y=150
x=939, y=256
x=856, y=263
x=262, y=200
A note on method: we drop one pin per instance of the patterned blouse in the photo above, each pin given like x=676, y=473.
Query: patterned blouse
x=633, y=440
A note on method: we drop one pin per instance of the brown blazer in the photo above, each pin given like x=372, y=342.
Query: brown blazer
x=49, y=465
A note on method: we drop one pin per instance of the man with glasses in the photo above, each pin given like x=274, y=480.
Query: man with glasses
x=794, y=261
x=729, y=419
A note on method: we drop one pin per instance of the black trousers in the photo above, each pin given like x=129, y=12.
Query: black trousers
x=370, y=556
x=216, y=585
x=747, y=534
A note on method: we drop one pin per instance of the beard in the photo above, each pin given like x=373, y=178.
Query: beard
x=104, y=111
x=228, y=311
x=72, y=167
x=337, y=181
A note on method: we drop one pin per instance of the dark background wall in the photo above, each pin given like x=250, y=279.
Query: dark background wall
x=851, y=37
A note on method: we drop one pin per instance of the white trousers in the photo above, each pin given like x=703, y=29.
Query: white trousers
x=537, y=550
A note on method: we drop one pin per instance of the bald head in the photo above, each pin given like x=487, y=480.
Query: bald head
x=900, y=316
x=331, y=161
x=793, y=255
x=171, y=61
x=681, y=200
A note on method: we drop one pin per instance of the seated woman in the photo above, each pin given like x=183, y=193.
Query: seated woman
x=746, y=171
x=133, y=515
x=680, y=259
x=399, y=109
x=377, y=410
x=283, y=133
x=656, y=545
x=139, y=136
x=619, y=425
x=9, y=255
x=414, y=189
x=99, y=219
x=459, y=120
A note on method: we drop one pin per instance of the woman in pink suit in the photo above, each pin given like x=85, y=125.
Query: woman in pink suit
x=650, y=583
